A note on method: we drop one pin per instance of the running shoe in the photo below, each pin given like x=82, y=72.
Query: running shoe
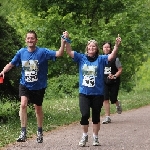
x=83, y=141
x=95, y=142
x=22, y=137
x=119, y=108
x=39, y=137
x=107, y=120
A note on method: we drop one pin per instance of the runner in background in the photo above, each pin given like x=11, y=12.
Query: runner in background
x=112, y=74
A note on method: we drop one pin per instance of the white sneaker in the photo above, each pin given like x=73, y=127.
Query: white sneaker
x=119, y=108
x=95, y=142
x=83, y=141
x=107, y=120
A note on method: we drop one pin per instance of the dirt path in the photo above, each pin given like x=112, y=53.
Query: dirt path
x=128, y=131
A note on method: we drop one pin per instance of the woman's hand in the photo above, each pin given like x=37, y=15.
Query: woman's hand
x=118, y=41
x=111, y=76
x=66, y=34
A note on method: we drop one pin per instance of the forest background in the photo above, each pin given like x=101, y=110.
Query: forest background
x=101, y=20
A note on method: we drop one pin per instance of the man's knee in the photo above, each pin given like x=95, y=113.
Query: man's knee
x=24, y=102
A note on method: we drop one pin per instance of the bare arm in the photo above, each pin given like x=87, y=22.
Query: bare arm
x=118, y=73
x=60, y=52
x=69, y=50
x=115, y=50
x=6, y=69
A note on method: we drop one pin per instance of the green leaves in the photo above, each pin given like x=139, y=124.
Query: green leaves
x=86, y=20
x=62, y=86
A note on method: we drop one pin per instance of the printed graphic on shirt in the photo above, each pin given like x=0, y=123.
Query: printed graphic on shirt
x=107, y=70
x=30, y=69
x=89, y=74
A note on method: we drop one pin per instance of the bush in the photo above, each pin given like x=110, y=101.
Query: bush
x=9, y=111
x=62, y=86
x=10, y=41
x=142, y=77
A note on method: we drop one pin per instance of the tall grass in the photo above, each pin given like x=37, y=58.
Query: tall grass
x=58, y=112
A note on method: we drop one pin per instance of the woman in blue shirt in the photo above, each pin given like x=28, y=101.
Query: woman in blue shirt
x=91, y=84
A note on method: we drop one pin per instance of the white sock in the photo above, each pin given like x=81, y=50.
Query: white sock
x=107, y=116
x=84, y=134
x=95, y=136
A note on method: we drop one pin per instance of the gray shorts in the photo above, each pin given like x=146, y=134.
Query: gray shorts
x=34, y=96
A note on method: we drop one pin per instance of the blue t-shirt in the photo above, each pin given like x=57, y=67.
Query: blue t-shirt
x=91, y=74
x=34, y=66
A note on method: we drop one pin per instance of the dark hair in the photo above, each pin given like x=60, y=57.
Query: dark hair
x=33, y=32
x=106, y=42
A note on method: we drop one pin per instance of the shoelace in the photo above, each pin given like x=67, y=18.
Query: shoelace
x=96, y=140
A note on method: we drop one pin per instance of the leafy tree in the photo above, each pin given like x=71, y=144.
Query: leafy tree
x=85, y=20
x=9, y=43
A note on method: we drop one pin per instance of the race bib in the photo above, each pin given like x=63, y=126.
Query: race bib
x=107, y=70
x=30, y=69
x=89, y=81
x=89, y=74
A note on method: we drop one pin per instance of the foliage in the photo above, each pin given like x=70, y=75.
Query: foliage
x=86, y=20
x=9, y=42
x=63, y=86
x=9, y=111
x=133, y=50
x=142, y=77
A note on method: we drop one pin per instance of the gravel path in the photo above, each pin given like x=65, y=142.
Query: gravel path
x=128, y=131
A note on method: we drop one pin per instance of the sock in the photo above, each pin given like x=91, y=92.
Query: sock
x=23, y=129
x=40, y=129
x=95, y=136
x=107, y=116
x=84, y=134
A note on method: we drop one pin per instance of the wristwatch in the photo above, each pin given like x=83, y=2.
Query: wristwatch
x=115, y=77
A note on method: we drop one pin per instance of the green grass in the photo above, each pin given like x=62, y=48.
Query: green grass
x=61, y=112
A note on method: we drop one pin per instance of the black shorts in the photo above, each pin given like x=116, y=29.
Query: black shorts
x=111, y=92
x=34, y=96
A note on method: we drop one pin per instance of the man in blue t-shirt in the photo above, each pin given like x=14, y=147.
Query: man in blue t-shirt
x=33, y=81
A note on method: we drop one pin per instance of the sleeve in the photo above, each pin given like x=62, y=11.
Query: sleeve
x=77, y=57
x=118, y=63
x=16, y=61
x=50, y=54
